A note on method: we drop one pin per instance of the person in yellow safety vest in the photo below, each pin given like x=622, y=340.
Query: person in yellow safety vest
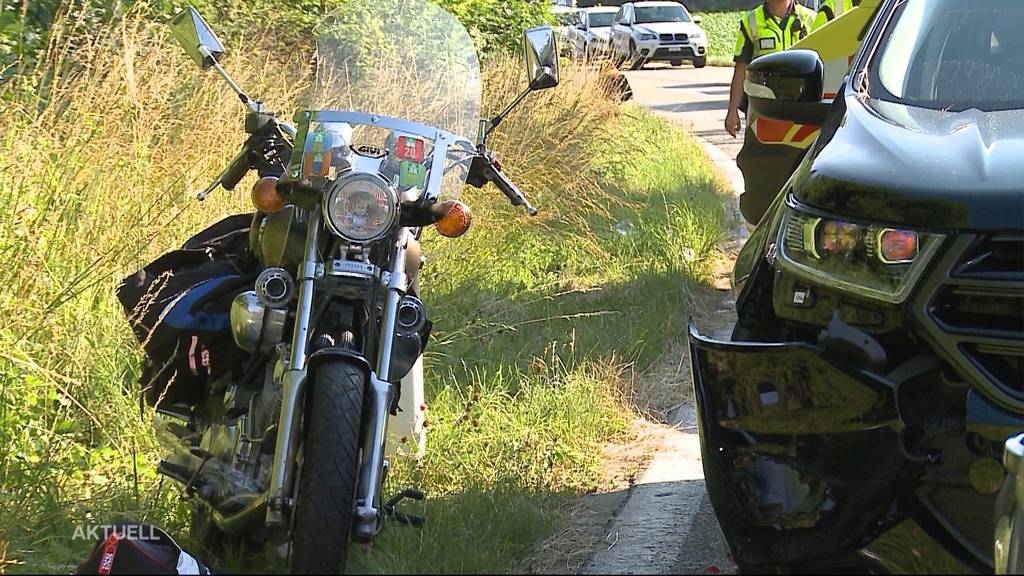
x=772, y=27
x=832, y=9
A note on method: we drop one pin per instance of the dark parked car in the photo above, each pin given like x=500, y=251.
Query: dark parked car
x=857, y=418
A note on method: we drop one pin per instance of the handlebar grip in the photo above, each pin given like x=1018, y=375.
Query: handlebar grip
x=512, y=192
x=237, y=170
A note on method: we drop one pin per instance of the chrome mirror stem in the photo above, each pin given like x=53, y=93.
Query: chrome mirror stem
x=252, y=104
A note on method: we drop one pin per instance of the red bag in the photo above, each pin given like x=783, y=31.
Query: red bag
x=139, y=549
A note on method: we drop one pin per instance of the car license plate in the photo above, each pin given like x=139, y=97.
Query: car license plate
x=674, y=49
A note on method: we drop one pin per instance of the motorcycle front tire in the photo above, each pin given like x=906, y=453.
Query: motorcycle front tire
x=330, y=469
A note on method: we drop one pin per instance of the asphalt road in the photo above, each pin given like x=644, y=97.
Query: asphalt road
x=695, y=98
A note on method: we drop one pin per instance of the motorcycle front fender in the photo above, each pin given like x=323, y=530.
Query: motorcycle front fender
x=342, y=353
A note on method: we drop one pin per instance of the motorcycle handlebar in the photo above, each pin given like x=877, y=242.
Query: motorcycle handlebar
x=237, y=170
x=485, y=169
x=511, y=191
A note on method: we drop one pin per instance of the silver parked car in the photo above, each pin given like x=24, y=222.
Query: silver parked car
x=593, y=32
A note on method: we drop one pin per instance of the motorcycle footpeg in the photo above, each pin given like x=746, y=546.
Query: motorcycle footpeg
x=410, y=493
x=405, y=519
x=392, y=512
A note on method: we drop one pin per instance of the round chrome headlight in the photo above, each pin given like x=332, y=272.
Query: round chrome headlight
x=361, y=207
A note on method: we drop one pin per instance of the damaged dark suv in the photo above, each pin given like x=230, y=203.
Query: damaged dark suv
x=857, y=417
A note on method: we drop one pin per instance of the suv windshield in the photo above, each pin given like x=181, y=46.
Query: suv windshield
x=952, y=55
x=600, y=19
x=652, y=14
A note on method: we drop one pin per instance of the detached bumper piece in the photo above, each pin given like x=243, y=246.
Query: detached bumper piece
x=801, y=454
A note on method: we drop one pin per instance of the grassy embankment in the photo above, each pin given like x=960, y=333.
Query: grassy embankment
x=542, y=324
x=721, y=28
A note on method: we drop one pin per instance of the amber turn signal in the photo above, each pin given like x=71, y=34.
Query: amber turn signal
x=265, y=195
x=456, y=219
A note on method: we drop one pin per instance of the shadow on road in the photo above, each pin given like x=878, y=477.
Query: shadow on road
x=693, y=106
x=698, y=86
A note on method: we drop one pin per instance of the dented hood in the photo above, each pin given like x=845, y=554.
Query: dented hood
x=920, y=167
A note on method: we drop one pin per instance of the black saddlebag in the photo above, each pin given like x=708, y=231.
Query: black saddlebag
x=179, y=310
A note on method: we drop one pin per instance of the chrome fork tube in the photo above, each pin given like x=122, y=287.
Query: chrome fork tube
x=371, y=476
x=397, y=285
x=293, y=382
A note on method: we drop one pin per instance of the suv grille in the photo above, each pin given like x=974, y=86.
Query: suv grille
x=674, y=38
x=977, y=310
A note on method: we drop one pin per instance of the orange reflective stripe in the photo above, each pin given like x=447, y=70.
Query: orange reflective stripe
x=769, y=130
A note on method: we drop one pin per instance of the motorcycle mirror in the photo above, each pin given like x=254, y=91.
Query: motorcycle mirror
x=541, y=70
x=541, y=57
x=197, y=38
x=203, y=46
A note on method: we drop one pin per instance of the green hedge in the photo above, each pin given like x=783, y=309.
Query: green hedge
x=25, y=25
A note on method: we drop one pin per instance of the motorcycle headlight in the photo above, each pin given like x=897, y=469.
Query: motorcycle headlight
x=869, y=261
x=361, y=207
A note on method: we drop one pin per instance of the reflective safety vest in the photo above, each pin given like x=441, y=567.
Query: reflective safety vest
x=770, y=36
x=831, y=9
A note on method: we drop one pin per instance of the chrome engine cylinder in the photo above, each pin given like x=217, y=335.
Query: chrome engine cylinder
x=254, y=326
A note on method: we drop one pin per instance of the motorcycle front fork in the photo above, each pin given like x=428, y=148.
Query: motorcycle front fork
x=380, y=395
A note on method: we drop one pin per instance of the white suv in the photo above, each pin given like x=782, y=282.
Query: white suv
x=658, y=31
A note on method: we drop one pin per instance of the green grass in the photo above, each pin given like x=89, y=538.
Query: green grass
x=722, y=28
x=541, y=324
x=527, y=391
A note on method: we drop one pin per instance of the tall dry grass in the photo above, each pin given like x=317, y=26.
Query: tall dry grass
x=99, y=165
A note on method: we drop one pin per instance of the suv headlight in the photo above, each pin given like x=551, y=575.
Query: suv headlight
x=698, y=35
x=865, y=260
x=361, y=207
x=648, y=36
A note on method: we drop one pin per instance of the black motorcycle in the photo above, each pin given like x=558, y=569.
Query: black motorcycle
x=277, y=343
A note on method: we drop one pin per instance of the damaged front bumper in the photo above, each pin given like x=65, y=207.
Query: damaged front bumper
x=801, y=453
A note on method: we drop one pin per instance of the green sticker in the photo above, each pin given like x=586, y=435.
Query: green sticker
x=411, y=174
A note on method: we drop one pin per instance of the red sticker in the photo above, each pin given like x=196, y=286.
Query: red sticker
x=410, y=148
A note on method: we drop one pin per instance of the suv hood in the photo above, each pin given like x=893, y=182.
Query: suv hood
x=907, y=166
x=667, y=28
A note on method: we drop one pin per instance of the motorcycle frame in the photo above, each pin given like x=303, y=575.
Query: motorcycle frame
x=280, y=503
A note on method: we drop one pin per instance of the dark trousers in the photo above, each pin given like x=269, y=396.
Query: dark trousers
x=765, y=168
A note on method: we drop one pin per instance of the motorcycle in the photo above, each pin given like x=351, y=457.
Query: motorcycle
x=287, y=439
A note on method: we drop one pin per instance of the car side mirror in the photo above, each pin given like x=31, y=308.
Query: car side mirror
x=788, y=86
x=697, y=19
x=197, y=38
x=541, y=57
